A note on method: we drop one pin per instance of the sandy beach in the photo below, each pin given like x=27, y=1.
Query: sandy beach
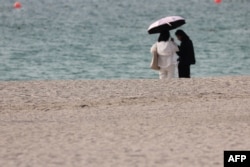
x=123, y=123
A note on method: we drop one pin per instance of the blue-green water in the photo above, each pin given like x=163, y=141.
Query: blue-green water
x=107, y=39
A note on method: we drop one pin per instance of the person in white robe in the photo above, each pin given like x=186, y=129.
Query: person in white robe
x=166, y=49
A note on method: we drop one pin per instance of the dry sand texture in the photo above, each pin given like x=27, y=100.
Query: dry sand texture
x=128, y=123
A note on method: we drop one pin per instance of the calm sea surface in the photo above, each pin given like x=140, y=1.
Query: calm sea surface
x=107, y=39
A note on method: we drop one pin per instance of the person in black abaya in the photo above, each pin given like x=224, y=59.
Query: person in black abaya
x=186, y=54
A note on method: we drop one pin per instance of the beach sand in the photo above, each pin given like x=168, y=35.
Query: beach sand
x=127, y=123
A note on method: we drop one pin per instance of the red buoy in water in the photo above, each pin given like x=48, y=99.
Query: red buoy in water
x=17, y=5
x=218, y=1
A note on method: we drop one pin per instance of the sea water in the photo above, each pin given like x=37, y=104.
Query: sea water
x=107, y=39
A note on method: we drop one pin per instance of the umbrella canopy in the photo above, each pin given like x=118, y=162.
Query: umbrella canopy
x=166, y=24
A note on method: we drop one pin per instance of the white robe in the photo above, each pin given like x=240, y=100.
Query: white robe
x=166, y=51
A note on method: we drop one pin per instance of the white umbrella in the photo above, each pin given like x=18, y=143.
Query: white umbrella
x=166, y=24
